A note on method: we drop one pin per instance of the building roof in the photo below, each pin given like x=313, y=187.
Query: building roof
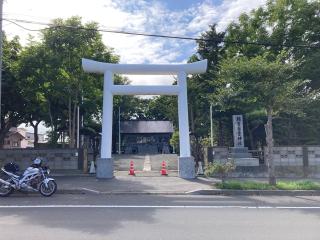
x=15, y=133
x=146, y=127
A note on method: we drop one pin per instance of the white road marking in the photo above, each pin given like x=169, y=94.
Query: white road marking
x=91, y=190
x=155, y=206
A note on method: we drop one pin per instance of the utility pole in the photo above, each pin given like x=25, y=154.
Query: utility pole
x=78, y=127
x=1, y=53
x=211, y=126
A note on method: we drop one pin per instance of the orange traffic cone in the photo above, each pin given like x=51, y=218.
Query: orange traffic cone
x=131, y=170
x=164, y=169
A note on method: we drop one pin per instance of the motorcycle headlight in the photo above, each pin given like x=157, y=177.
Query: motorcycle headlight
x=48, y=171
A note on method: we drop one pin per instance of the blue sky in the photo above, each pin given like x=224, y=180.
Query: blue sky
x=174, y=17
x=175, y=5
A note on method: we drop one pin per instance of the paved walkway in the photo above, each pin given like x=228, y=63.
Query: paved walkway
x=145, y=162
x=122, y=183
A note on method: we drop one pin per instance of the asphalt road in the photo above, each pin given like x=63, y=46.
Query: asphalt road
x=158, y=217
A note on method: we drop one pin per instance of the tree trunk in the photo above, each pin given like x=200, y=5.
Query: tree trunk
x=50, y=116
x=70, y=123
x=269, y=157
x=74, y=118
x=35, y=133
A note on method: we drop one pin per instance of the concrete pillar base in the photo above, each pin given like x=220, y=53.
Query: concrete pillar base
x=104, y=168
x=187, y=167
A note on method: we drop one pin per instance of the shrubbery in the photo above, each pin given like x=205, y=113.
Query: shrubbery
x=220, y=169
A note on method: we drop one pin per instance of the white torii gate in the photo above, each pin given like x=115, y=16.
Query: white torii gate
x=105, y=162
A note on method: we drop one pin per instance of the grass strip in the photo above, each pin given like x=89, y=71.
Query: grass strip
x=281, y=185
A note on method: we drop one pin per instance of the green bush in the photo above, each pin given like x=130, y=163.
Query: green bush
x=220, y=169
x=298, y=185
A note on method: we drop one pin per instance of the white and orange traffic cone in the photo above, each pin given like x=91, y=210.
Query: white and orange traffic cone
x=131, y=170
x=164, y=171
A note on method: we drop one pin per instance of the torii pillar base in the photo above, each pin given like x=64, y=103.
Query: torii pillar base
x=104, y=168
x=187, y=167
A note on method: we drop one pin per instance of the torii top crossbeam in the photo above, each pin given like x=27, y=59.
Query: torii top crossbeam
x=144, y=69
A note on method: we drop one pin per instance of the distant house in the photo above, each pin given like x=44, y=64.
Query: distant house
x=42, y=138
x=15, y=138
x=20, y=138
x=145, y=136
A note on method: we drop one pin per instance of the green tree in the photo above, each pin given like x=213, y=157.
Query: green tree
x=174, y=141
x=269, y=85
x=163, y=108
x=64, y=44
x=283, y=25
x=34, y=83
x=13, y=104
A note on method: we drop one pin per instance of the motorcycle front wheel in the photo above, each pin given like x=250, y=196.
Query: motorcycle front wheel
x=47, y=191
x=5, y=190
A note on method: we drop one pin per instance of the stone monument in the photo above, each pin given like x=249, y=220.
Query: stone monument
x=239, y=153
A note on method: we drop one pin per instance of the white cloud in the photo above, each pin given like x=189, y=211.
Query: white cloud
x=151, y=79
x=233, y=9
x=135, y=15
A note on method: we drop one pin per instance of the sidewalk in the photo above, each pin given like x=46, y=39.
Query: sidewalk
x=122, y=183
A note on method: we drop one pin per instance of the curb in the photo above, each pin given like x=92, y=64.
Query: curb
x=87, y=191
x=198, y=192
x=82, y=191
x=257, y=192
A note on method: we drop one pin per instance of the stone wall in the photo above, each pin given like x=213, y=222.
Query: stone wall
x=282, y=156
x=54, y=158
x=297, y=156
x=313, y=155
x=288, y=156
x=290, y=161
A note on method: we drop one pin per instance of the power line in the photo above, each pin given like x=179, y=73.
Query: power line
x=28, y=29
x=51, y=25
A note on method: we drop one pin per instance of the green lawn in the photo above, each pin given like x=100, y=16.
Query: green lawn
x=282, y=185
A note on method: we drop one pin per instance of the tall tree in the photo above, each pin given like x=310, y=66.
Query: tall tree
x=65, y=43
x=34, y=79
x=270, y=85
x=201, y=86
x=13, y=104
x=281, y=25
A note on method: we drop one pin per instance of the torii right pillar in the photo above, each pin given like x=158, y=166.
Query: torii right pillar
x=186, y=161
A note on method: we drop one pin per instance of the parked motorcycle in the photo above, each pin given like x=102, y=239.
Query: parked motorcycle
x=34, y=178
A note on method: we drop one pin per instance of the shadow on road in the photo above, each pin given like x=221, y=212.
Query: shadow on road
x=89, y=221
